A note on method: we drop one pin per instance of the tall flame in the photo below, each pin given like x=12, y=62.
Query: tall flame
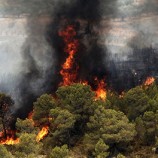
x=42, y=133
x=68, y=72
x=149, y=81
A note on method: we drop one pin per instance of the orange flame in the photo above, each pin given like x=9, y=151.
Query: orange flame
x=100, y=92
x=10, y=138
x=149, y=81
x=10, y=141
x=42, y=133
x=68, y=72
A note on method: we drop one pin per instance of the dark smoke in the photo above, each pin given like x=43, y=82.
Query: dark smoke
x=37, y=67
x=85, y=15
x=141, y=63
x=99, y=54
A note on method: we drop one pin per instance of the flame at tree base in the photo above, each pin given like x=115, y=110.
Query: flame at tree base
x=10, y=141
x=100, y=92
x=10, y=138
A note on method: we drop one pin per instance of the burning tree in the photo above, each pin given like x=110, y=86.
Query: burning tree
x=70, y=68
x=5, y=103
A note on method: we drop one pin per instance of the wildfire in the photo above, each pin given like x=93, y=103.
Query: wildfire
x=42, y=133
x=100, y=92
x=68, y=72
x=149, y=81
x=10, y=141
x=10, y=138
x=44, y=130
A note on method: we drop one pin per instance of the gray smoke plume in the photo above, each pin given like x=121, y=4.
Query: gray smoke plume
x=134, y=25
x=31, y=52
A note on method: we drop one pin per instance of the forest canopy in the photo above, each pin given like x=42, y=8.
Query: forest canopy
x=79, y=125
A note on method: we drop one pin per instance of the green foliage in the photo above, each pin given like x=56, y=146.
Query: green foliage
x=61, y=124
x=152, y=90
x=114, y=102
x=42, y=108
x=101, y=149
x=140, y=128
x=4, y=153
x=153, y=104
x=78, y=99
x=25, y=126
x=120, y=156
x=111, y=126
x=147, y=127
x=59, y=152
x=137, y=102
x=95, y=128
x=150, y=126
x=27, y=146
x=23, y=155
x=156, y=143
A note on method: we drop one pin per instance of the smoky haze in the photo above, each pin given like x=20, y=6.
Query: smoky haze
x=109, y=32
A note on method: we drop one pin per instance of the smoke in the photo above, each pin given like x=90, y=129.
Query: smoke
x=26, y=60
x=86, y=16
x=131, y=42
x=134, y=24
x=30, y=62
x=44, y=49
x=108, y=31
